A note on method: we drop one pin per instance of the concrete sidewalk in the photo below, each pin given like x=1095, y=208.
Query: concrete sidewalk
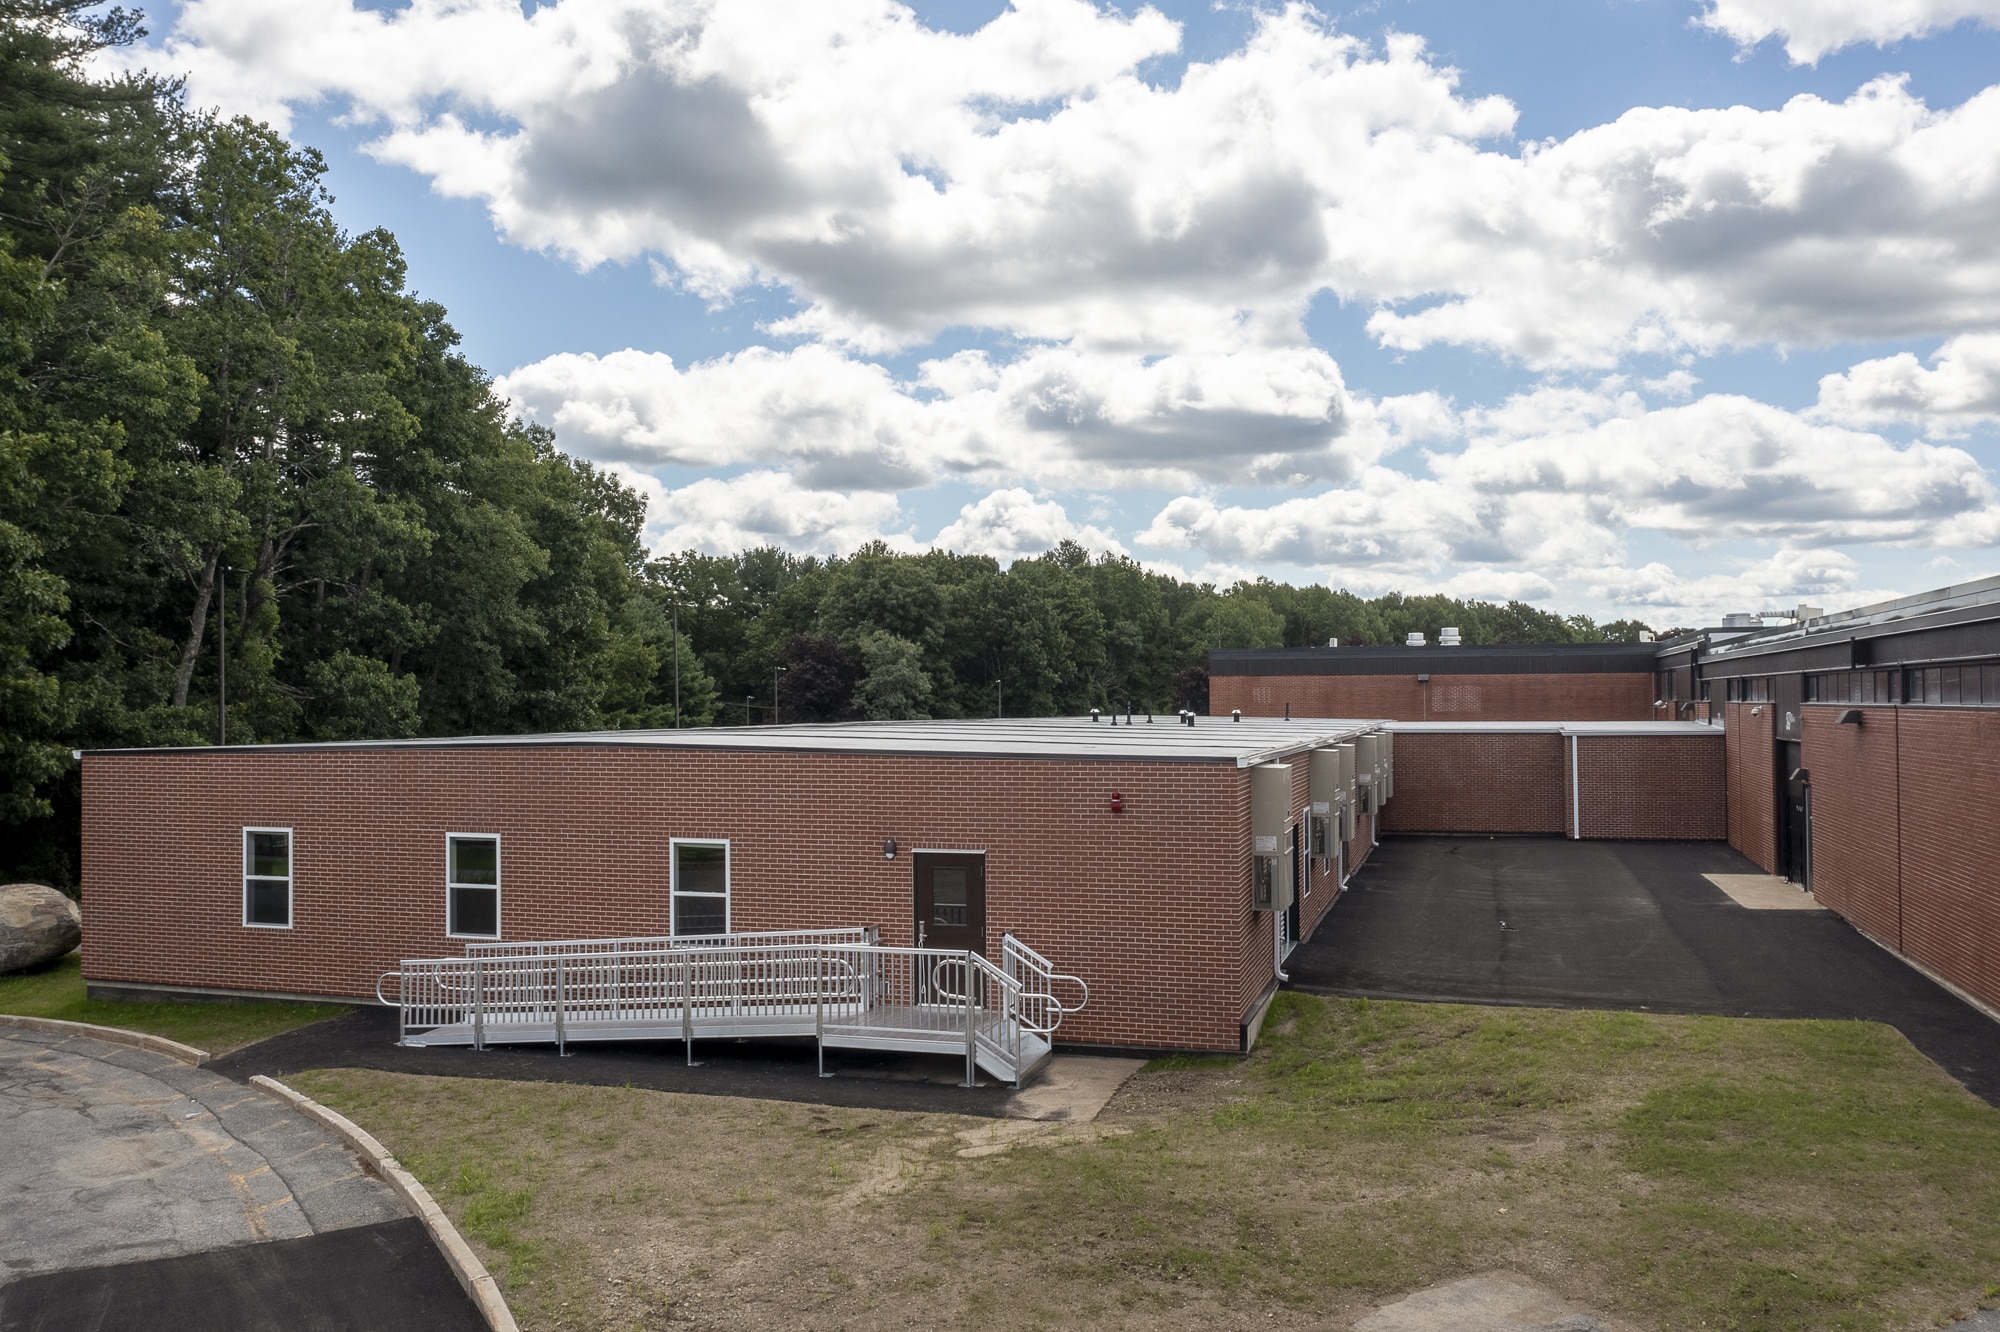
x=124, y=1169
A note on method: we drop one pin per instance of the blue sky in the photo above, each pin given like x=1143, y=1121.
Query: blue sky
x=1232, y=289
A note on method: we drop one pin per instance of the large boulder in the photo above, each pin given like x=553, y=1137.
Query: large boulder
x=37, y=925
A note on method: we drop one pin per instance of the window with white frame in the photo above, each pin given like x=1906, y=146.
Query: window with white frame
x=267, y=878
x=472, y=885
x=700, y=887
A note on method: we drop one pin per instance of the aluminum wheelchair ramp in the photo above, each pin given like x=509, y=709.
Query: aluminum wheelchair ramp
x=841, y=987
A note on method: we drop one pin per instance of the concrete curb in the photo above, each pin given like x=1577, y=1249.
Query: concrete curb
x=465, y=1264
x=187, y=1054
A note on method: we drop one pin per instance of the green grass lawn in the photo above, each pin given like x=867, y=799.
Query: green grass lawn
x=216, y=1026
x=1677, y=1172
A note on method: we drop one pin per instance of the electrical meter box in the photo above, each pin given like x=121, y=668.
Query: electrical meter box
x=1349, y=798
x=1367, y=768
x=1329, y=799
x=1270, y=827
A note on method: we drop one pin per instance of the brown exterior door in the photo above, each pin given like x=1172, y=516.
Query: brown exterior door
x=951, y=899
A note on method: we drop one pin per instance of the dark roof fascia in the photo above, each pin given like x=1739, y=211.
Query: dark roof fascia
x=1953, y=634
x=1485, y=659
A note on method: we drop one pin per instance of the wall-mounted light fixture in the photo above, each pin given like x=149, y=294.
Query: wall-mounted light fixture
x=1756, y=712
x=888, y=848
x=1851, y=717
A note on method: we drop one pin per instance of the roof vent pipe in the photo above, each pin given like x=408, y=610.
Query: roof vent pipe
x=1333, y=642
x=1236, y=714
x=1448, y=636
x=1093, y=714
x=1416, y=640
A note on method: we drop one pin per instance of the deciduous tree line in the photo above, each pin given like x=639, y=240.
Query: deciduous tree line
x=224, y=419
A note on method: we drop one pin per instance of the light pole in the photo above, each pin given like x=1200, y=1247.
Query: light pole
x=222, y=658
x=677, y=665
x=776, y=671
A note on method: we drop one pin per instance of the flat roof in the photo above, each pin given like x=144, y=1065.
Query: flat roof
x=1247, y=742
x=1557, y=727
x=1466, y=659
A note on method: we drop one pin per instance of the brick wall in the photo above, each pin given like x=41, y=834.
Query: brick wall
x=1474, y=782
x=1150, y=906
x=1855, y=858
x=1752, y=777
x=1905, y=838
x=1620, y=696
x=1653, y=786
x=1643, y=786
x=1950, y=808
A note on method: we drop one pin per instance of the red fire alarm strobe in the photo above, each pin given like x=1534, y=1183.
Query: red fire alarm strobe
x=1117, y=802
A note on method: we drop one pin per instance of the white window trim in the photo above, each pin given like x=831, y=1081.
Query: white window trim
x=291, y=879
x=674, y=876
x=499, y=878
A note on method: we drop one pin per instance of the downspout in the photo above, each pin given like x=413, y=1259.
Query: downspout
x=1278, y=946
x=1575, y=794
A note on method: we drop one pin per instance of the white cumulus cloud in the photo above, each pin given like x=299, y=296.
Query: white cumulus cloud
x=1026, y=177
x=1010, y=524
x=1815, y=28
x=1959, y=389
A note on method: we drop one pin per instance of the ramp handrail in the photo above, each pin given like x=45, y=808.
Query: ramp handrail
x=864, y=934
x=1038, y=979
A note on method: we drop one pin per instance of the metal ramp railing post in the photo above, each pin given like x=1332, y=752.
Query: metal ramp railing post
x=971, y=1036
x=478, y=1004
x=562, y=1035
x=819, y=1016
x=687, y=1008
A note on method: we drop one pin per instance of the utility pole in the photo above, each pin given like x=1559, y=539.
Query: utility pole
x=222, y=658
x=677, y=665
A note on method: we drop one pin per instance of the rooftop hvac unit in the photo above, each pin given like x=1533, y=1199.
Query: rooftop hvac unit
x=1448, y=636
x=1270, y=821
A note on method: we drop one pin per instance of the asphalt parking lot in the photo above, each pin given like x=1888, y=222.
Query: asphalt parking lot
x=141, y=1193
x=1628, y=925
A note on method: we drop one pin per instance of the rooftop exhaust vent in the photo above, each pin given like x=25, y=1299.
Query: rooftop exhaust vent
x=1448, y=636
x=1416, y=640
x=1741, y=620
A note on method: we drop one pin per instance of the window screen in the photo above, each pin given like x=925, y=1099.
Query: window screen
x=472, y=879
x=267, y=877
x=701, y=888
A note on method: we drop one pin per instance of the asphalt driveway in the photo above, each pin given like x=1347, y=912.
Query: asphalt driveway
x=1631, y=925
x=137, y=1192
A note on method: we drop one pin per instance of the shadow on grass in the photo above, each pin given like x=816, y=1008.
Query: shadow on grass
x=215, y=1025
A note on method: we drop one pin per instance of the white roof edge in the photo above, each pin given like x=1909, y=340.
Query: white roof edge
x=1556, y=728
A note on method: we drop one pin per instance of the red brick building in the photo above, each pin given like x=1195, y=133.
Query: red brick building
x=1535, y=682
x=1123, y=852
x=1864, y=762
